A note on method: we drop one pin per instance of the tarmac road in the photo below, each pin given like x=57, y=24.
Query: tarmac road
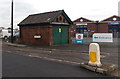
x=72, y=56
x=22, y=66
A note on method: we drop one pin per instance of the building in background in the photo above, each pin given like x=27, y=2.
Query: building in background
x=108, y=25
x=82, y=25
x=50, y=28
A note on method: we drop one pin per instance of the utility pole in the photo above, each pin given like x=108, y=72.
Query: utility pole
x=12, y=22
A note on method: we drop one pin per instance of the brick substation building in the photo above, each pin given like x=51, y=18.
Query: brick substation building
x=49, y=28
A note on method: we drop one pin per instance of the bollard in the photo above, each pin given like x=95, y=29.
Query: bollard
x=94, y=55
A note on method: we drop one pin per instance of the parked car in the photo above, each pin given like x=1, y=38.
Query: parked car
x=16, y=36
x=5, y=34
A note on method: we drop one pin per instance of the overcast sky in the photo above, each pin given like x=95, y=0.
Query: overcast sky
x=91, y=9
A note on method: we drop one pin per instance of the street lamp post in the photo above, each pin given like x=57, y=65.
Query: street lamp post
x=12, y=22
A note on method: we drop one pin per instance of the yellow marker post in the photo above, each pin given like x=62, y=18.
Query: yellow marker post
x=94, y=55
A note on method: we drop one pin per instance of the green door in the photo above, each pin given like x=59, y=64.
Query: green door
x=56, y=35
x=60, y=35
x=64, y=35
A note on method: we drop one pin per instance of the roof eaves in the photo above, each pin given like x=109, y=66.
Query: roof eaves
x=44, y=23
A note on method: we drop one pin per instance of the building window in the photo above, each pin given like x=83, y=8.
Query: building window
x=110, y=30
x=81, y=26
x=85, y=30
x=56, y=19
x=77, y=26
x=81, y=31
x=85, y=26
x=77, y=30
x=60, y=18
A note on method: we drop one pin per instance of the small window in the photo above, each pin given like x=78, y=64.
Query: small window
x=77, y=26
x=85, y=26
x=60, y=18
x=85, y=30
x=81, y=26
x=56, y=19
x=110, y=30
x=81, y=31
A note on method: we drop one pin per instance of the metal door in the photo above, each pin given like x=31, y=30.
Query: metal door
x=60, y=35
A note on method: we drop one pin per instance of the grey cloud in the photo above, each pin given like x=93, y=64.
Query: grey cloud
x=21, y=10
x=23, y=7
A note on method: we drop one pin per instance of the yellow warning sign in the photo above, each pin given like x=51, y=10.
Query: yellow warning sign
x=93, y=56
x=60, y=30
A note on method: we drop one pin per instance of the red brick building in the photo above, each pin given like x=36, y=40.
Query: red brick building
x=82, y=25
x=109, y=25
x=50, y=28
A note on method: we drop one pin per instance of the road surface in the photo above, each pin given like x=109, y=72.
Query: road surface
x=22, y=66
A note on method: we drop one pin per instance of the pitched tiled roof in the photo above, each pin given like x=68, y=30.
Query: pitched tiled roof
x=46, y=17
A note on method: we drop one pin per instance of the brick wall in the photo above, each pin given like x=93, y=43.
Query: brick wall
x=27, y=35
x=100, y=28
x=103, y=28
x=91, y=29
